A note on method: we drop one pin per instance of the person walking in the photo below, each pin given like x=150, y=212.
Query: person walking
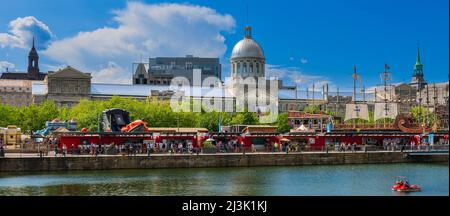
x=95, y=151
x=56, y=151
x=180, y=148
x=64, y=150
x=2, y=151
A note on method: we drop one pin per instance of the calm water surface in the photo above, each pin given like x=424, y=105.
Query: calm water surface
x=299, y=180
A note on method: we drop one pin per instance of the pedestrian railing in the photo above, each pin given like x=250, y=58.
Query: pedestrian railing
x=283, y=149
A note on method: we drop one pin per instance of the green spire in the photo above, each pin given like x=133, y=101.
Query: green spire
x=418, y=67
x=418, y=57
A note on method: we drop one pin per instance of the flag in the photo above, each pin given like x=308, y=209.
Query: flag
x=386, y=66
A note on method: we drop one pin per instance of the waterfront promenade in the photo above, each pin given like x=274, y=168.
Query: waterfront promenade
x=52, y=154
x=26, y=162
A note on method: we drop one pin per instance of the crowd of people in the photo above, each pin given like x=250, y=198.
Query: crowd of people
x=180, y=147
x=393, y=144
x=345, y=147
x=229, y=146
x=398, y=144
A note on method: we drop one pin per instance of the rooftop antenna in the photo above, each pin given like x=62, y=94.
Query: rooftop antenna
x=247, y=29
x=246, y=18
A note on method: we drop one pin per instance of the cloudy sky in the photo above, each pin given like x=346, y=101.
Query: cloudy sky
x=304, y=42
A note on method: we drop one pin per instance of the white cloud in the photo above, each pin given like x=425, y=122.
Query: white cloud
x=51, y=67
x=304, y=60
x=6, y=65
x=112, y=71
x=147, y=30
x=295, y=76
x=21, y=32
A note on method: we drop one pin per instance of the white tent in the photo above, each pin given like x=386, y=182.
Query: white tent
x=302, y=127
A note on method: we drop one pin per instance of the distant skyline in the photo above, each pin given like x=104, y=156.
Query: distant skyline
x=303, y=41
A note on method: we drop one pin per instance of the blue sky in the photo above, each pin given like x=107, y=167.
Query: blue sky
x=304, y=41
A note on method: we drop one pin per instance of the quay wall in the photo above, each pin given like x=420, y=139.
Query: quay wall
x=207, y=160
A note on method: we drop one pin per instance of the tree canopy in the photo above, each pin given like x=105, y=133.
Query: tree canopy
x=156, y=113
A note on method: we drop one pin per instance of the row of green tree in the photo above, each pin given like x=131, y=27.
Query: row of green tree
x=156, y=112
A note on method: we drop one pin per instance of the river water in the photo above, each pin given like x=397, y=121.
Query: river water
x=347, y=180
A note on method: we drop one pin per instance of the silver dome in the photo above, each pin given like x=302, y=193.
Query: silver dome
x=247, y=47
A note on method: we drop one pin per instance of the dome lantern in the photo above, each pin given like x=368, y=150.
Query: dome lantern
x=248, y=32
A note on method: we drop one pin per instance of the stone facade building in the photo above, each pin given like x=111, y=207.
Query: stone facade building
x=15, y=92
x=16, y=87
x=66, y=87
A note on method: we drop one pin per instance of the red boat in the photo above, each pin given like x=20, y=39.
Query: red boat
x=402, y=185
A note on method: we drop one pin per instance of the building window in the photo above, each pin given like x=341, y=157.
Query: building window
x=245, y=67
x=257, y=68
x=251, y=67
x=239, y=68
x=189, y=65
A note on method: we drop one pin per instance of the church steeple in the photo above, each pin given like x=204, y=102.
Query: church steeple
x=418, y=76
x=33, y=63
x=418, y=64
x=418, y=57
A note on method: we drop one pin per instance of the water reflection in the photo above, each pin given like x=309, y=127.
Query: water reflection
x=296, y=180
